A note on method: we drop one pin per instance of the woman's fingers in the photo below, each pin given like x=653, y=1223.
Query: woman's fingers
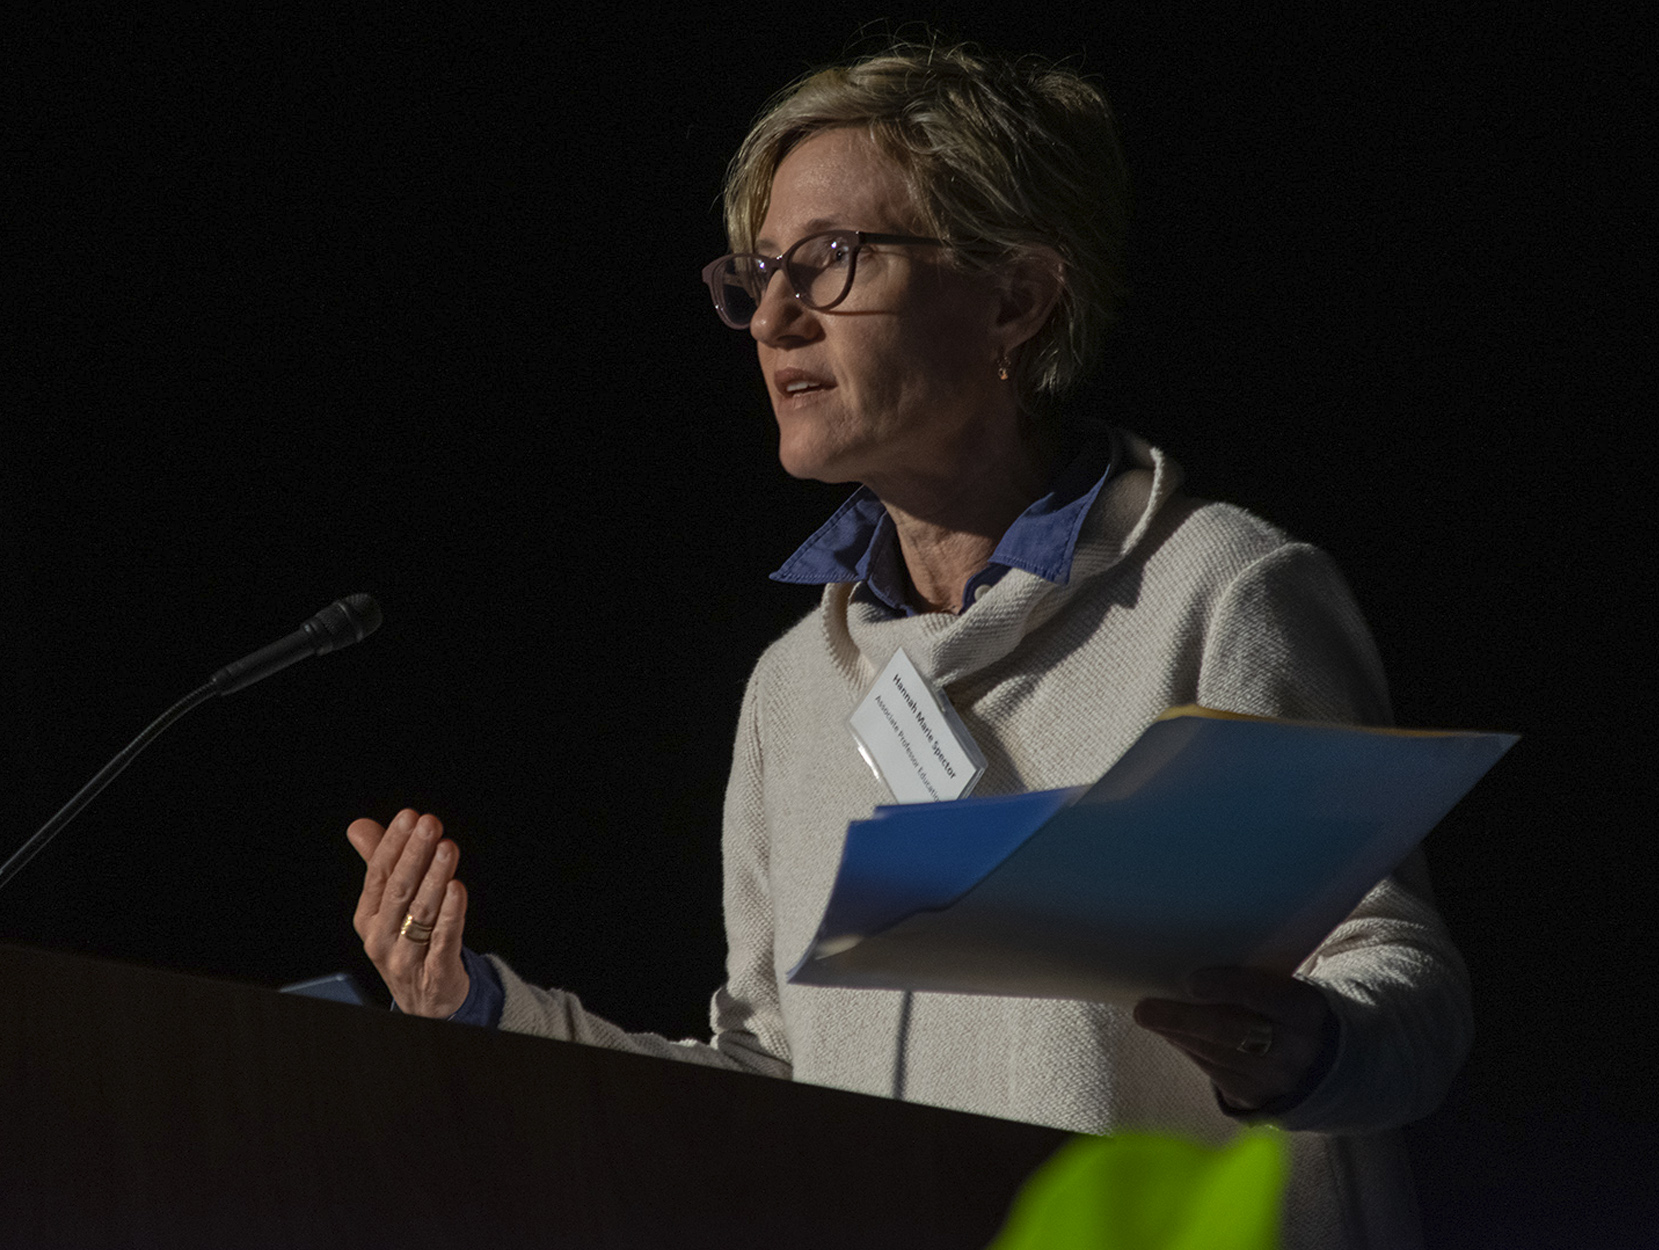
x=429, y=897
x=1223, y=1068
x=364, y=835
x=385, y=852
x=405, y=874
x=446, y=931
x=436, y=983
x=390, y=848
x=1212, y=1036
x=381, y=857
x=1218, y=1029
x=1259, y=1043
x=1243, y=1090
x=383, y=862
x=1272, y=994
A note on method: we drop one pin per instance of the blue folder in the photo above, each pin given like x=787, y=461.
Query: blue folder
x=1216, y=840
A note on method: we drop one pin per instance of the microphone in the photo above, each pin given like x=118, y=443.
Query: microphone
x=340, y=624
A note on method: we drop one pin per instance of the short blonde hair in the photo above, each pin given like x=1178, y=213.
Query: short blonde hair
x=1000, y=154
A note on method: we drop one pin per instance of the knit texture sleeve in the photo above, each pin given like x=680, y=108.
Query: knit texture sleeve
x=560, y=1015
x=746, y=1013
x=1401, y=994
x=1286, y=639
x=747, y=1022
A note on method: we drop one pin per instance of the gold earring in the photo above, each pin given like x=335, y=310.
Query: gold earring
x=1002, y=366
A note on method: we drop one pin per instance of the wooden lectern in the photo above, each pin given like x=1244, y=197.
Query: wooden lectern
x=146, y=1108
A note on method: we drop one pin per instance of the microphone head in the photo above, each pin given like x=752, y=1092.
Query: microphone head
x=346, y=621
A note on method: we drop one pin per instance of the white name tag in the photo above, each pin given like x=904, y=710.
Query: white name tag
x=912, y=738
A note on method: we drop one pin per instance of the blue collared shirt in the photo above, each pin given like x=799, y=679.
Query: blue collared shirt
x=485, y=996
x=861, y=544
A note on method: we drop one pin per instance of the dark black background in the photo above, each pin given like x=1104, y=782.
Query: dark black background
x=304, y=303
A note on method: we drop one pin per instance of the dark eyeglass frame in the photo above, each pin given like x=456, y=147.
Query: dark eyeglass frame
x=769, y=265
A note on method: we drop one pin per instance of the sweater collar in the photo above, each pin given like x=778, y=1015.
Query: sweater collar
x=862, y=634
x=859, y=543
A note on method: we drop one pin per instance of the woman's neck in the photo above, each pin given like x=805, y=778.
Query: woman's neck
x=949, y=523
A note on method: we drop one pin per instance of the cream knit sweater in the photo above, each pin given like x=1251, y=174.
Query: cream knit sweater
x=1170, y=601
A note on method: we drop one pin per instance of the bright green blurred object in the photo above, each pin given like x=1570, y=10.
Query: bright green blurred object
x=1139, y=1191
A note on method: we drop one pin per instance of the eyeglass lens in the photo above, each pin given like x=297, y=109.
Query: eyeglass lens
x=819, y=270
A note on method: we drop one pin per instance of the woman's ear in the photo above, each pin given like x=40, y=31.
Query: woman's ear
x=1028, y=290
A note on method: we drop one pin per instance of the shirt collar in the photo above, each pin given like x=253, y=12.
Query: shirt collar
x=860, y=544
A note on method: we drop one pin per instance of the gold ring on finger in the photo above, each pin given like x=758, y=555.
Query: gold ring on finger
x=420, y=933
x=1258, y=1039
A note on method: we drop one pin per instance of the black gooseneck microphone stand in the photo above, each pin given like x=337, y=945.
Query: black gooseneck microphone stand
x=342, y=623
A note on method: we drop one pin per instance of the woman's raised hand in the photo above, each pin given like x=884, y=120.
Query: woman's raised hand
x=412, y=910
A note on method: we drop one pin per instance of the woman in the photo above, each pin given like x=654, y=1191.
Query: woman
x=927, y=251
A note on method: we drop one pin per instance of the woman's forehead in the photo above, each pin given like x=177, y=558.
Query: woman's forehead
x=835, y=179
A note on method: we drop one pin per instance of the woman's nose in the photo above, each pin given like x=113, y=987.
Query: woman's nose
x=779, y=315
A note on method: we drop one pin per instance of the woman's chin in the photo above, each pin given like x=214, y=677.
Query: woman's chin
x=802, y=459
x=815, y=474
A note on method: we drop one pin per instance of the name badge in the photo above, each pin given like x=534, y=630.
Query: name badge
x=912, y=738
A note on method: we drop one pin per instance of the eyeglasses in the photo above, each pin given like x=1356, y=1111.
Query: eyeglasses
x=820, y=270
